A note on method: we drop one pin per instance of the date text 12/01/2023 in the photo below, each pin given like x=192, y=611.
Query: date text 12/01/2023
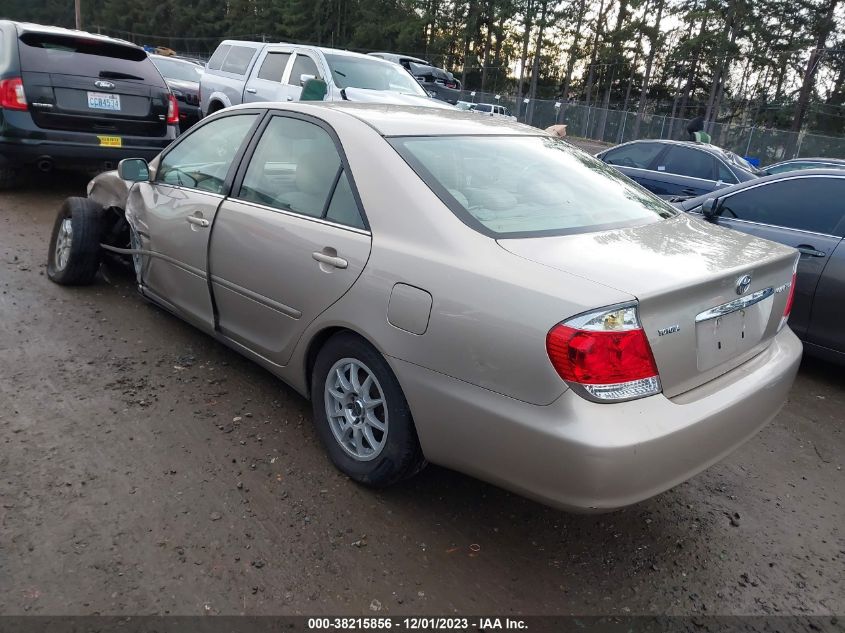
x=417, y=623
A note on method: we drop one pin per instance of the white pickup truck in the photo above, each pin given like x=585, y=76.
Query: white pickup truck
x=244, y=72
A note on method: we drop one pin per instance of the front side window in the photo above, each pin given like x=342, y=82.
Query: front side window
x=526, y=186
x=640, y=155
x=349, y=71
x=807, y=204
x=202, y=160
x=273, y=67
x=685, y=161
x=302, y=65
x=296, y=167
x=725, y=174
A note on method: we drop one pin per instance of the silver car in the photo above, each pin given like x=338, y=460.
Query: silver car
x=456, y=289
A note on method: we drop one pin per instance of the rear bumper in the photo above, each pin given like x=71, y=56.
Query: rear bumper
x=23, y=143
x=586, y=456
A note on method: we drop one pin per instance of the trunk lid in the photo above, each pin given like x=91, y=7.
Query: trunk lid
x=680, y=270
x=90, y=84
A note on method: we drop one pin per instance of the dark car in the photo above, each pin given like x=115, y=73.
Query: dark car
x=677, y=169
x=440, y=84
x=183, y=77
x=76, y=100
x=803, y=209
x=804, y=163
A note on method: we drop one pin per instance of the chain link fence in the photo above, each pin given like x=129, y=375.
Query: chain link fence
x=762, y=144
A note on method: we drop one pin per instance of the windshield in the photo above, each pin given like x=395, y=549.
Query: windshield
x=372, y=74
x=526, y=186
x=182, y=71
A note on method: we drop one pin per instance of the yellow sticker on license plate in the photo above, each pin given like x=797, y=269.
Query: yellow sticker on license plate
x=110, y=141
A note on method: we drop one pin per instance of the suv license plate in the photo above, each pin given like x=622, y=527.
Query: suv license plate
x=104, y=101
x=110, y=141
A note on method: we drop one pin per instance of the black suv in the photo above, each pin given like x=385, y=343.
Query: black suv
x=76, y=100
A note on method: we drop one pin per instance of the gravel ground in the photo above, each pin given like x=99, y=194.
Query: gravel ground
x=147, y=469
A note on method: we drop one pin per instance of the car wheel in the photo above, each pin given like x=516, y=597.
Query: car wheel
x=361, y=414
x=74, y=256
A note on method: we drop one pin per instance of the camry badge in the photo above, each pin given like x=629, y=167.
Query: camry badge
x=105, y=85
x=742, y=284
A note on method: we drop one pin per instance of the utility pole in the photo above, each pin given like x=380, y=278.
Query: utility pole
x=78, y=13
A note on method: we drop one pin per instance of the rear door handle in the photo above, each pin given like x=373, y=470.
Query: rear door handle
x=330, y=260
x=289, y=99
x=201, y=222
x=251, y=91
x=809, y=251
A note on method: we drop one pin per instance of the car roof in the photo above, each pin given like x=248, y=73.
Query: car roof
x=31, y=27
x=691, y=203
x=809, y=159
x=400, y=120
x=707, y=147
x=322, y=49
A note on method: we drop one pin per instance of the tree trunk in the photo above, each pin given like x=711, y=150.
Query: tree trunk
x=654, y=39
x=824, y=30
x=570, y=62
x=529, y=7
x=488, y=38
x=535, y=69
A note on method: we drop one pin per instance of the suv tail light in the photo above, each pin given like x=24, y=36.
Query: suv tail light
x=172, y=109
x=12, y=96
x=604, y=355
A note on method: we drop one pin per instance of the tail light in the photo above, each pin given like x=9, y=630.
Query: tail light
x=172, y=109
x=787, y=309
x=12, y=96
x=604, y=355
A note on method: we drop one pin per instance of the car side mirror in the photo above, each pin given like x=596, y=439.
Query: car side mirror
x=133, y=170
x=710, y=209
x=304, y=79
x=313, y=90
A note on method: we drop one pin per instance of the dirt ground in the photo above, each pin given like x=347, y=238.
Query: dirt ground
x=147, y=469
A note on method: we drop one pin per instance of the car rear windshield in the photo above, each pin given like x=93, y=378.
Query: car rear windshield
x=528, y=186
x=372, y=74
x=72, y=55
x=181, y=71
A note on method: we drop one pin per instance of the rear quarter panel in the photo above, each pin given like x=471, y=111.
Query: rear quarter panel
x=491, y=310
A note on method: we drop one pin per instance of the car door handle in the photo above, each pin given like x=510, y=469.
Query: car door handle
x=197, y=221
x=330, y=260
x=251, y=91
x=809, y=251
x=290, y=99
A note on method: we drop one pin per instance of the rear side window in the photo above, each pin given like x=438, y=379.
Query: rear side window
x=784, y=203
x=296, y=167
x=513, y=186
x=639, y=155
x=72, y=55
x=219, y=55
x=273, y=66
x=685, y=161
x=237, y=61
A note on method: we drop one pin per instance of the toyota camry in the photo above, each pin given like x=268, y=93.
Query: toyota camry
x=455, y=289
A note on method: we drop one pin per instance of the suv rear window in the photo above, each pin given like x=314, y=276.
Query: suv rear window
x=237, y=61
x=528, y=186
x=72, y=55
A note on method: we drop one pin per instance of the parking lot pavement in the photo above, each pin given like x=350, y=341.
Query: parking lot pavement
x=146, y=468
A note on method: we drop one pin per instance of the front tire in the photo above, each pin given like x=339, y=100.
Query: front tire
x=74, y=256
x=361, y=414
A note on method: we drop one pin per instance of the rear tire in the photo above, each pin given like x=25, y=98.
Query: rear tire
x=74, y=256
x=389, y=455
